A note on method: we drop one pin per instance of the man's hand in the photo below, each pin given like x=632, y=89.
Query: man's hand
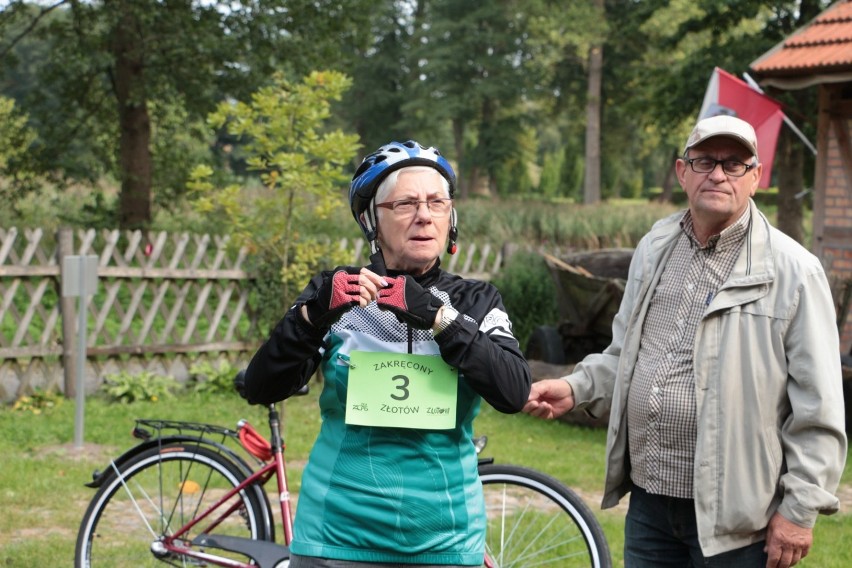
x=786, y=542
x=409, y=302
x=550, y=398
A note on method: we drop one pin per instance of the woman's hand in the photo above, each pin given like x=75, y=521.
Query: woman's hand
x=370, y=284
x=340, y=290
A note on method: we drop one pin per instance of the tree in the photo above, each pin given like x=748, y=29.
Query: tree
x=115, y=68
x=300, y=161
x=15, y=137
x=385, y=75
x=687, y=40
x=479, y=75
x=592, y=183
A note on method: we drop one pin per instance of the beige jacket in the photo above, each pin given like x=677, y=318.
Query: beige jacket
x=768, y=387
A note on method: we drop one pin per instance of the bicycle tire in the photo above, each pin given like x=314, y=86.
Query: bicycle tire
x=536, y=521
x=156, y=492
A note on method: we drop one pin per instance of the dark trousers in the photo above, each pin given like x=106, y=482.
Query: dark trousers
x=661, y=532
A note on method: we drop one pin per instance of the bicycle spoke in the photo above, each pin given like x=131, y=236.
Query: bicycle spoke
x=534, y=521
x=133, y=499
x=157, y=486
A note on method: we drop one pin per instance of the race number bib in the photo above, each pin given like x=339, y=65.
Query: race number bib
x=401, y=391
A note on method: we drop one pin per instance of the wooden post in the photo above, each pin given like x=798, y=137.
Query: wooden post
x=68, y=313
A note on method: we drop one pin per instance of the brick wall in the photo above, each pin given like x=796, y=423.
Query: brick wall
x=833, y=225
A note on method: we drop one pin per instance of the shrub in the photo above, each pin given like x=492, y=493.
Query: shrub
x=207, y=379
x=529, y=293
x=38, y=402
x=128, y=387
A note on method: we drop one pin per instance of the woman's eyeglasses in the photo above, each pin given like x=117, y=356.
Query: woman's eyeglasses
x=406, y=207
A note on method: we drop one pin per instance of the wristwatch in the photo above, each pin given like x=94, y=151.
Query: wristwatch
x=448, y=316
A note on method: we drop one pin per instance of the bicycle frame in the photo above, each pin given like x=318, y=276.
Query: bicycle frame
x=263, y=553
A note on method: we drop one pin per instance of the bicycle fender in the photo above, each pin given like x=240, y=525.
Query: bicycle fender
x=99, y=476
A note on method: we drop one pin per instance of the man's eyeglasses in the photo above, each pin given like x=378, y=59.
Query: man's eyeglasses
x=732, y=168
x=406, y=207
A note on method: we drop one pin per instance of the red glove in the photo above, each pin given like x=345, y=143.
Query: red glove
x=336, y=292
x=410, y=302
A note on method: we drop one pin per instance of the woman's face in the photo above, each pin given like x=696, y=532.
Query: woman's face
x=413, y=242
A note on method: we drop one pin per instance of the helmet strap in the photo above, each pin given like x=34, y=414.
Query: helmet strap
x=369, y=226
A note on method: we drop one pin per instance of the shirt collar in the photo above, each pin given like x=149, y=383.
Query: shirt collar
x=730, y=236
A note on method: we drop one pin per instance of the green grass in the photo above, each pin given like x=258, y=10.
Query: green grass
x=42, y=475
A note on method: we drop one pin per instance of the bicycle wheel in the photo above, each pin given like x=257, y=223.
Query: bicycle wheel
x=156, y=493
x=534, y=520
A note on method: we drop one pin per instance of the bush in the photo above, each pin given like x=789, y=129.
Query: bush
x=38, y=402
x=529, y=293
x=127, y=387
x=207, y=379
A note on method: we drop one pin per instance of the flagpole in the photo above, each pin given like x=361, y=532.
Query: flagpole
x=753, y=84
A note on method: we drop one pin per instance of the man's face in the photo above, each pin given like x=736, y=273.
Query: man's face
x=413, y=242
x=717, y=199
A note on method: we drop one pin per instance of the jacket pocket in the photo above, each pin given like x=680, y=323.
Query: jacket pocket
x=748, y=488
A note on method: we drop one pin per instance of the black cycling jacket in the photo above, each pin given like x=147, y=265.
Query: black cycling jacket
x=479, y=343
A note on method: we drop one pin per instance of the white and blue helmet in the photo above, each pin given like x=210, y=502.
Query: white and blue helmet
x=377, y=166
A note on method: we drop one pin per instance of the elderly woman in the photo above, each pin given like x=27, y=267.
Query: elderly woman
x=407, y=352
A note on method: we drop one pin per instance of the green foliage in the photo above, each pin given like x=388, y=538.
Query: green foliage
x=207, y=379
x=309, y=257
x=528, y=292
x=552, y=224
x=16, y=139
x=502, y=110
x=38, y=402
x=276, y=288
x=127, y=388
x=300, y=162
x=15, y=136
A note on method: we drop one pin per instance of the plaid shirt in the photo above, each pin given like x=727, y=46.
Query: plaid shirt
x=661, y=409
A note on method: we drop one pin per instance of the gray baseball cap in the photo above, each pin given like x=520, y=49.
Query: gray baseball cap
x=723, y=125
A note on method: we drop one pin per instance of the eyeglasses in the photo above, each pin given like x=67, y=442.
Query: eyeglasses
x=732, y=168
x=406, y=207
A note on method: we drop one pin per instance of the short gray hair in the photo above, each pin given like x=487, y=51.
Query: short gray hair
x=390, y=182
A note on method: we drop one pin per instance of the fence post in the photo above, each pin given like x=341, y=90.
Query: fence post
x=65, y=240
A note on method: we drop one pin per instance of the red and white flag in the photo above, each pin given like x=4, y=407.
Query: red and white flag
x=729, y=95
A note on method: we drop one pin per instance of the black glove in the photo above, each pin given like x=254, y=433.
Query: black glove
x=409, y=302
x=240, y=383
x=338, y=290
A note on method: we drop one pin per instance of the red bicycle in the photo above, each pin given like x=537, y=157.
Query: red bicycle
x=192, y=494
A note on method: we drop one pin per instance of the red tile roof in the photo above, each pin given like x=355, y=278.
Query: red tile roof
x=822, y=47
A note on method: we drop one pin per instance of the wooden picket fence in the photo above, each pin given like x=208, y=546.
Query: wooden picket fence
x=165, y=301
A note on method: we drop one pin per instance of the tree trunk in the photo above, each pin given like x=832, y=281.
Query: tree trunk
x=667, y=193
x=135, y=161
x=592, y=181
x=458, y=143
x=482, y=180
x=789, y=161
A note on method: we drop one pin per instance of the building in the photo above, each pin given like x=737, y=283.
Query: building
x=819, y=56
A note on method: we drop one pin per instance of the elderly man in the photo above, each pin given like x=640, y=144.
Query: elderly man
x=723, y=377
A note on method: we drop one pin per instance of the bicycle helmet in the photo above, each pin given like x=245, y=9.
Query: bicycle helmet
x=377, y=166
